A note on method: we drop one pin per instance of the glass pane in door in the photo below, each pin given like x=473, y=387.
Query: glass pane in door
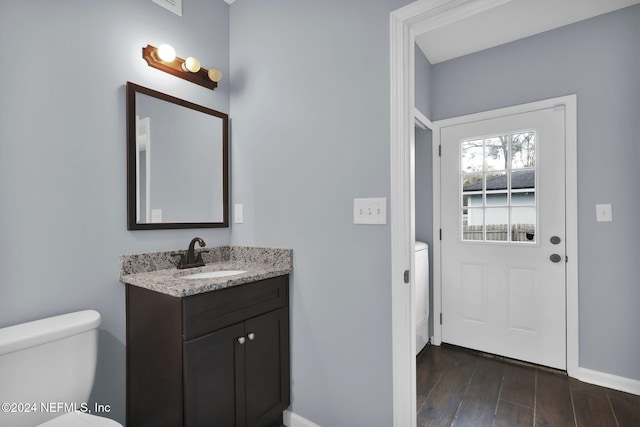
x=498, y=183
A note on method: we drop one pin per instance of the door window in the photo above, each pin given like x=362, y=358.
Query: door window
x=498, y=188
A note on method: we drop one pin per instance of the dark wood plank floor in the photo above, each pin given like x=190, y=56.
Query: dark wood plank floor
x=457, y=387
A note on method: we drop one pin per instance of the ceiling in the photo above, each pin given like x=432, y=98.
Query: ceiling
x=510, y=21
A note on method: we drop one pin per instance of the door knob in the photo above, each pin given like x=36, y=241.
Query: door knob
x=555, y=240
x=251, y=336
x=555, y=258
x=241, y=340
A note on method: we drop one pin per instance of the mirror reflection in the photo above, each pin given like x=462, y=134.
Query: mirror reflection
x=177, y=162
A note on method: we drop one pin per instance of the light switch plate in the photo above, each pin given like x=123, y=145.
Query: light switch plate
x=370, y=211
x=238, y=214
x=603, y=213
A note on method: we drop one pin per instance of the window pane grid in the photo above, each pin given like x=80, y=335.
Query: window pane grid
x=498, y=188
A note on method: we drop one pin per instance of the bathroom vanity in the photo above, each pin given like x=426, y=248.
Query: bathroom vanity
x=208, y=351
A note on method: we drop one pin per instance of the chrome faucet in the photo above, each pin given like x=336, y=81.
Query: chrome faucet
x=191, y=260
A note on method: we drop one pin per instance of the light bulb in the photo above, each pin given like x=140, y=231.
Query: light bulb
x=166, y=53
x=191, y=64
x=215, y=75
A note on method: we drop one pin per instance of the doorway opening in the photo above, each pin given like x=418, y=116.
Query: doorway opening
x=406, y=23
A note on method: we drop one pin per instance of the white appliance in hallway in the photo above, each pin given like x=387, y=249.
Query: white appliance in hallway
x=421, y=261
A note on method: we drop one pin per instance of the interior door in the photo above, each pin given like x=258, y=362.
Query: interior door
x=503, y=236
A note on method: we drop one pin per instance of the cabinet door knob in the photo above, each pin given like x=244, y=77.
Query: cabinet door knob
x=241, y=340
x=251, y=336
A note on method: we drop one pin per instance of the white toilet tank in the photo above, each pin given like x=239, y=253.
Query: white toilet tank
x=422, y=294
x=48, y=365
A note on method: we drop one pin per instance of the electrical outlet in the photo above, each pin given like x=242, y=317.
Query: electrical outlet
x=370, y=211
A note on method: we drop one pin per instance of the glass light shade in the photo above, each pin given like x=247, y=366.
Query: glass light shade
x=215, y=75
x=191, y=64
x=166, y=53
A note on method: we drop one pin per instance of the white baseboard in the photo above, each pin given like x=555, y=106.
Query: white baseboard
x=610, y=381
x=294, y=420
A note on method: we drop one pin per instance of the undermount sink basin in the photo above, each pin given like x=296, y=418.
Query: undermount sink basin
x=213, y=274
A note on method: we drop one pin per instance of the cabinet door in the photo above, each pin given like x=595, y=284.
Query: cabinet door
x=212, y=365
x=267, y=367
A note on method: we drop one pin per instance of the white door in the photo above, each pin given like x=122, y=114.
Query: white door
x=503, y=236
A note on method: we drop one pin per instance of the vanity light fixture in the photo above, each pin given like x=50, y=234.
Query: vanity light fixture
x=191, y=64
x=166, y=53
x=164, y=58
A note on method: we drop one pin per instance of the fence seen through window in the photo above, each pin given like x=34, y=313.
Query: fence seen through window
x=498, y=182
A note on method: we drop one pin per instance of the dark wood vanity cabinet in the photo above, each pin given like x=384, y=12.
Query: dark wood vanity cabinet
x=215, y=359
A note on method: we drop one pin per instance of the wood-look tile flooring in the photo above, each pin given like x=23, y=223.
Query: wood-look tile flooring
x=457, y=387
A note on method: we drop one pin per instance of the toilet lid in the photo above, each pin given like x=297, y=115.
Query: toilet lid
x=80, y=419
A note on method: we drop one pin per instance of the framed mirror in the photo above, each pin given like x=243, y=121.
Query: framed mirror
x=177, y=162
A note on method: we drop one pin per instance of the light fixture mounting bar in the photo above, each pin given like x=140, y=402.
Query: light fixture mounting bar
x=150, y=54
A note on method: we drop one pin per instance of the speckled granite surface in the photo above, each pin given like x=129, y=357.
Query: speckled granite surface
x=157, y=271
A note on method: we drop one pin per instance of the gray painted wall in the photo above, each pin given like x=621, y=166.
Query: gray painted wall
x=599, y=60
x=62, y=154
x=422, y=83
x=310, y=109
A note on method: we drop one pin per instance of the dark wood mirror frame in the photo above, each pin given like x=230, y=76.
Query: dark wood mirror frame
x=132, y=224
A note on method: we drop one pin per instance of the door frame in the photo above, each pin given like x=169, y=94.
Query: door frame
x=405, y=23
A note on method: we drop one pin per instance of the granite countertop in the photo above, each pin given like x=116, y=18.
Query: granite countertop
x=157, y=271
